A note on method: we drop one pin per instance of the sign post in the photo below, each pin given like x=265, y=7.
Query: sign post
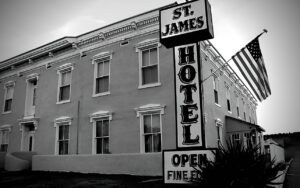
x=183, y=27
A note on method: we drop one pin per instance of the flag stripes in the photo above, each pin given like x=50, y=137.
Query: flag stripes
x=250, y=62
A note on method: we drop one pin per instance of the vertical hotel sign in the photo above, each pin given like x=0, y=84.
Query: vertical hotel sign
x=188, y=99
x=182, y=27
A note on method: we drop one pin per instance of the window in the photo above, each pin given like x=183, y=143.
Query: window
x=216, y=89
x=63, y=139
x=148, y=52
x=102, y=136
x=152, y=132
x=102, y=76
x=149, y=67
x=150, y=124
x=101, y=73
x=244, y=108
x=219, y=125
x=31, y=89
x=8, y=96
x=101, y=131
x=237, y=107
x=64, y=83
x=247, y=140
x=4, y=140
x=235, y=139
x=228, y=99
x=62, y=125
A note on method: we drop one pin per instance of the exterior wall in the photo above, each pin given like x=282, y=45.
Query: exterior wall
x=215, y=111
x=276, y=151
x=133, y=164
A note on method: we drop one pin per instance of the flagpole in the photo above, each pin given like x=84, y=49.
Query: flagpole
x=224, y=65
x=264, y=31
x=227, y=62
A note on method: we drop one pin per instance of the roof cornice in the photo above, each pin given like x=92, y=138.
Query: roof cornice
x=147, y=19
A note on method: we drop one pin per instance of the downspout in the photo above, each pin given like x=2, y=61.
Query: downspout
x=77, y=127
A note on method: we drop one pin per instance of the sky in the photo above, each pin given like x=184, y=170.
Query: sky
x=27, y=24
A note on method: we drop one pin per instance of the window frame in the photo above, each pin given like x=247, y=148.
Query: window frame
x=143, y=46
x=150, y=109
x=62, y=121
x=100, y=116
x=9, y=84
x=228, y=98
x=7, y=129
x=247, y=139
x=101, y=57
x=219, y=126
x=237, y=107
x=216, y=90
x=235, y=139
x=68, y=67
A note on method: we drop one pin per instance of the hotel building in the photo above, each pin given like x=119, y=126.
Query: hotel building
x=104, y=101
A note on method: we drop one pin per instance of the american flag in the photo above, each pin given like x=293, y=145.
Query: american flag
x=250, y=62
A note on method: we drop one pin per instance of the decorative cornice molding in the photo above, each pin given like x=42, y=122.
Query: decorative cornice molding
x=100, y=114
x=132, y=26
x=36, y=52
x=150, y=108
x=62, y=120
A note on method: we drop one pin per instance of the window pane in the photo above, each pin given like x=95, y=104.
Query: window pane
x=105, y=128
x=228, y=105
x=155, y=123
x=33, y=96
x=4, y=137
x=156, y=143
x=66, y=78
x=153, y=56
x=9, y=92
x=102, y=84
x=60, y=133
x=216, y=96
x=98, y=128
x=4, y=147
x=150, y=74
x=66, y=132
x=7, y=106
x=145, y=58
x=106, y=68
x=147, y=123
x=105, y=145
x=99, y=145
x=100, y=69
x=63, y=147
x=64, y=93
x=148, y=143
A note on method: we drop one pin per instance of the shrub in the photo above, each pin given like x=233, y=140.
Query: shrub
x=238, y=166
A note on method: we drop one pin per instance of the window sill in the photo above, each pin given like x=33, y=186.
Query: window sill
x=101, y=94
x=149, y=85
x=7, y=112
x=229, y=112
x=63, y=102
x=218, y=105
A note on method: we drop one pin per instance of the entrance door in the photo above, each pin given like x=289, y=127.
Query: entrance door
x=28, y=132
x=30, y=140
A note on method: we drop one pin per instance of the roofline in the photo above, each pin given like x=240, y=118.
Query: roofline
x=75, y=37
x=250, y=124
